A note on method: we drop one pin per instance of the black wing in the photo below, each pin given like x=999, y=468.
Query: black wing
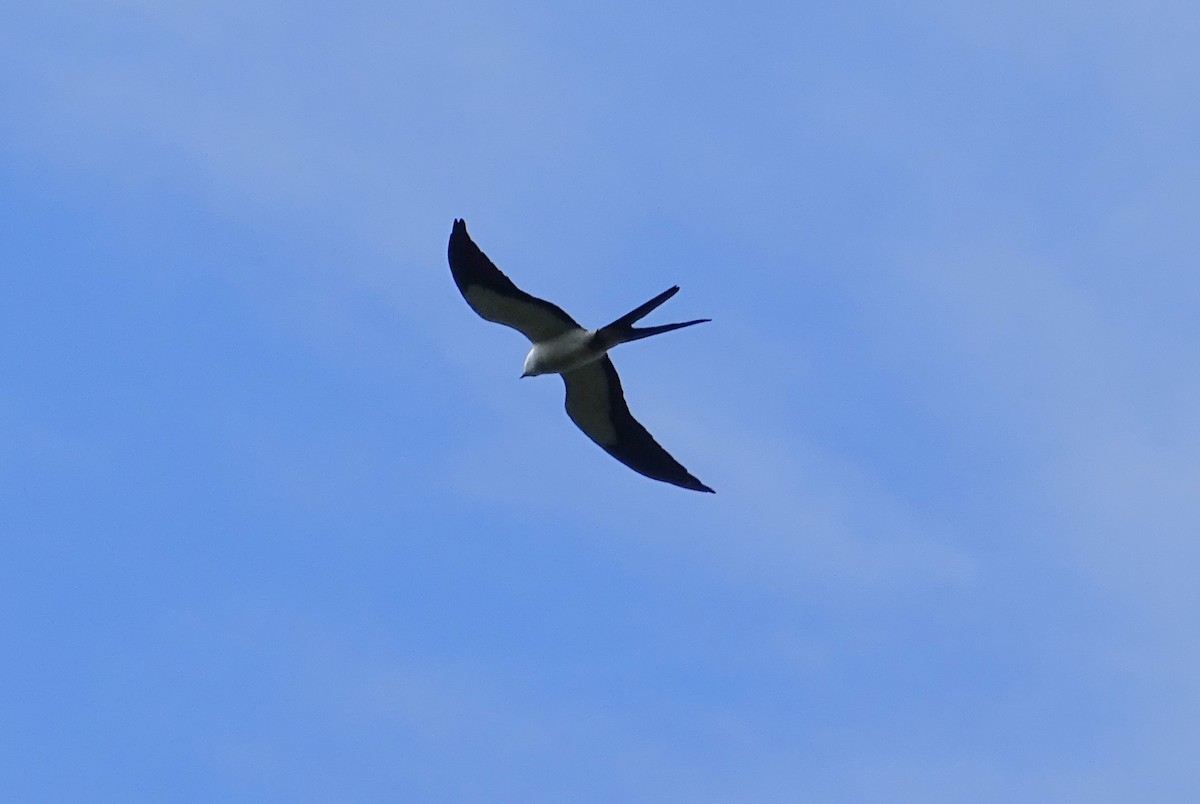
x=596, y=403
x=493, y=295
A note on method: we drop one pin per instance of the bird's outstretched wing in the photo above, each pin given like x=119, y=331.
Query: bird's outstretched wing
x=596, y=403
x=493, y=295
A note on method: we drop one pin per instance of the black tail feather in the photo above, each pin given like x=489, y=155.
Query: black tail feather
x=637, y=333
x=623, y=330
x=626, y=321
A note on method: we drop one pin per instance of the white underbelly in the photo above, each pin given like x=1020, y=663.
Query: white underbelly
x=568, y=351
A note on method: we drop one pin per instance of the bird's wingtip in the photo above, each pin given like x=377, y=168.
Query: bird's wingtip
x=459, y=232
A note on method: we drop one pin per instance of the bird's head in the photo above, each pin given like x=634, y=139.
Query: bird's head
x=533, y=365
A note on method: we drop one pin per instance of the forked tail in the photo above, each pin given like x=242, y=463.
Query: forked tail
x=623, y=330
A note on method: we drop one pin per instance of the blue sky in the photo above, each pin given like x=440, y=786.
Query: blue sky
x=280, y=524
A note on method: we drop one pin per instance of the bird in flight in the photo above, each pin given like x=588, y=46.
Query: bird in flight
x=595, y=401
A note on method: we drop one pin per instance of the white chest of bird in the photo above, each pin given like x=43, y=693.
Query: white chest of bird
x=570, y=350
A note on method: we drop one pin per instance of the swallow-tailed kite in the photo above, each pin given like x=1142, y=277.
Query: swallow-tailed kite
x=595, y=401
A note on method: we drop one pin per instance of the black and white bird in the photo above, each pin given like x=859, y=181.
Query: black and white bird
x=595, y=401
